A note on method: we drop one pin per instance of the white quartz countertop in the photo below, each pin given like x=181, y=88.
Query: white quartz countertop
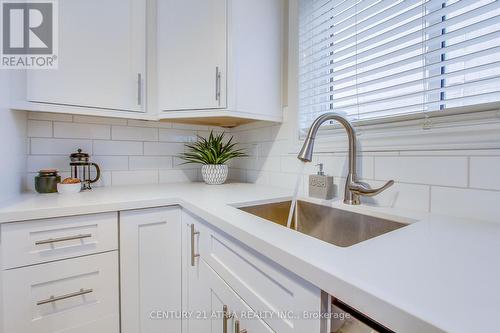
x=439, y=274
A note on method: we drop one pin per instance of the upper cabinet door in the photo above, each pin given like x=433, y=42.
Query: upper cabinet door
x=191, y=54
x=102, y=57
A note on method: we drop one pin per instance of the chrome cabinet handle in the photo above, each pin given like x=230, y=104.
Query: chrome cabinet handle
x=193, y=255
x=237, y=327
x=217, y=84
x=139, y=88
x=62, y=239
x=225, y=318
x=52, y=299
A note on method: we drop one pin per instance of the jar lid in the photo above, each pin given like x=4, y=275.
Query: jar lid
x=47, y=172
x=79, y=156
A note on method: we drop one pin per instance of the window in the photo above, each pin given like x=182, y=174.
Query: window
x=372, y=59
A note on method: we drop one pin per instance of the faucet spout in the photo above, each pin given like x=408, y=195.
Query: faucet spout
x=353, y=188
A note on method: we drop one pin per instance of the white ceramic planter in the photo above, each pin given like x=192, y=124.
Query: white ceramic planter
x=214, y=174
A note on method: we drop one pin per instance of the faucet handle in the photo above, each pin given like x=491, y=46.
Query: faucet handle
x=364, y=189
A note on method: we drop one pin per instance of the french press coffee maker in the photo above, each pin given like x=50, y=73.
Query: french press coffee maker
x=80, y=168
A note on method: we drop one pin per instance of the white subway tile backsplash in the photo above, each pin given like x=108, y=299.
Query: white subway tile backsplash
x=176, y=135
x=464, y=183
x=39, y=162
x=48, y=146
x=272, y=163
x=485, y=172
x=50, y=116
x=255, y=135
x=134, y=133
x=111, y=163
x=99, y=120
x=139, y=177
x=178, y=176
x=104, y=180
x=150, y=162
x=237, y=175
x=274, y=148
x=401, y=196
x=467, y=203
x=258, y=177
x=81, y=131
x=446, y=171
x=163, y=148
x=39, y=128
x=179, y=163
x=111, y=148
x=338, y=166
x=127, y=151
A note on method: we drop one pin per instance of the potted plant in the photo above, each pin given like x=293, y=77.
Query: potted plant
x=212, y=153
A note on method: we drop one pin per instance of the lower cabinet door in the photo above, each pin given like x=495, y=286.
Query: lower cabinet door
x=288, y=303
x=71, y=296
x=150, y=270
x=213, y=307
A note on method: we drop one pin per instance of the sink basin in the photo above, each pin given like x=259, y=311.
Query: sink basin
x=335, y=226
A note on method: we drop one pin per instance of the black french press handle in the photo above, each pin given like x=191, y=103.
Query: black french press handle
x=98, y=171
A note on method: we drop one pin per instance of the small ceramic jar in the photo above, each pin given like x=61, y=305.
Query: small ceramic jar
x=46, y=181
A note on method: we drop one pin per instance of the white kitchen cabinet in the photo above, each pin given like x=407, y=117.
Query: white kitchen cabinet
x=192, y=62
x=264, y=286
x=219, y=61
x=34, y=242
x=216, y=62
x=74, y=295
x=150, y=269
x=102, y=58
x=214, y=306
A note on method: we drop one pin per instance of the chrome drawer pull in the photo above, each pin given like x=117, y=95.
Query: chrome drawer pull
x=237, y=328
x=217, y=84
x=52, y=299
x=62, y=239
x=226, y=315
x=193, y=255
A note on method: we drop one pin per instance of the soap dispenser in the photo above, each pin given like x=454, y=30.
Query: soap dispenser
x=320, y=185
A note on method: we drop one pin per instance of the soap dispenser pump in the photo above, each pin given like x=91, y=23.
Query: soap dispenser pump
x=320, y=185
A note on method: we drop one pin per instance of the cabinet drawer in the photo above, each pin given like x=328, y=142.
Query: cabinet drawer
x=28, y=243
x=263, y=284
x=85, y=292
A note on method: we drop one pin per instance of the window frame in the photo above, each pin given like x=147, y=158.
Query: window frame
x=464, y=128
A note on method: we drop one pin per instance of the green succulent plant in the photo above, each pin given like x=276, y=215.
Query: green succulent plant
x=212, y=150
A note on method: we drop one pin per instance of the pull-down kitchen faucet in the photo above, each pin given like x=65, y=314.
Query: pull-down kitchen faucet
x=353, y=188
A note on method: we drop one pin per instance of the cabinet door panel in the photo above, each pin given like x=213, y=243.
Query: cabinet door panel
x=150, y=262
x=209, y=296
x=101, y=56
x=191, y=49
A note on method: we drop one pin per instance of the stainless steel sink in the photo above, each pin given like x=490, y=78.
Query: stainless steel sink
x=335, y=226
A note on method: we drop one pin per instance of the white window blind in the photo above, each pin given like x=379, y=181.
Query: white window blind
x=371, y=59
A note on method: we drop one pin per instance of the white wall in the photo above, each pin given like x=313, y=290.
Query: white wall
x=12, y=143
x=128, y=151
